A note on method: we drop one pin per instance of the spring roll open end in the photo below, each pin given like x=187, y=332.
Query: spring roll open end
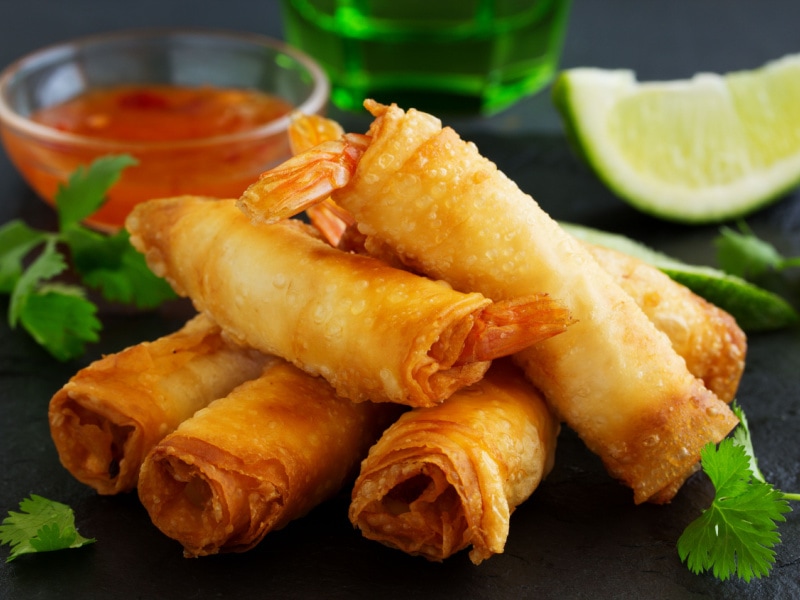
x=613, y=377
x=254, y=460
x=333, y=304
x=448, y=477
x=409, y=516
x=101, y=450
x=208, y=509
x=109, y=415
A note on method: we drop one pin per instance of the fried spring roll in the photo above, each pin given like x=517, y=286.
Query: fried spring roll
x=448, y=212
x=251, y=462
x=109, y=415
x=444, y=478
x=705, y=336
x=708, y=338
x=374, y=332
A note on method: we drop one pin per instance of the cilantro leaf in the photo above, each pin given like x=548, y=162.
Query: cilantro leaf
x=743, y=254
x=48, y=264
x=61, y=320
x=110, y=264
x=42, y=525
x=50, y=536
x=737, y=534
x=728, y=470
x=741, y=437
x=86, y=189
x=136, y=283
x=58, y=316
x=16, y=241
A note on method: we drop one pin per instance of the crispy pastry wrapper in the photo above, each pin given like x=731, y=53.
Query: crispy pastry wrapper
x=707, y=337
x=443, y=478
x=111, y=413
x=251, y=462
x=374, y=332
x=612, y=376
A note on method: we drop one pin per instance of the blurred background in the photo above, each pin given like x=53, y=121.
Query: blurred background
x=658, y=40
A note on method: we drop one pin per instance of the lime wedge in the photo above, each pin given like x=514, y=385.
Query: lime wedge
x=753, y=307
x=701, y=150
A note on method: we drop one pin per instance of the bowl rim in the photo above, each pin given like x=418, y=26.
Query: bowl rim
x=313, y=104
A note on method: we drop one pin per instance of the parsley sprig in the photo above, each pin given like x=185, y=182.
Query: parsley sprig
x=745, y=255
x=59, y=315
x=42, y=525
x=737, y=534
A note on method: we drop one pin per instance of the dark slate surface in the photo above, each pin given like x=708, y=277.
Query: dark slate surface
x=579, y=536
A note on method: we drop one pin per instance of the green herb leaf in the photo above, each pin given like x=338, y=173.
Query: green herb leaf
x=737, y=534
x=59, y=316
x=111, y=265
x=16, y=241
x=86, y=189
x=48, y=264
x=741, y=437
x=741, y=253
x=42, y=525
x=61, y=320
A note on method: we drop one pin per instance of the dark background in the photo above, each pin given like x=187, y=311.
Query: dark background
x=579, y=536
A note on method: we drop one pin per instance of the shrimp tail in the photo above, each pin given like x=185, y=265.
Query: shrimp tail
x=333, y=222
x=307, y=131
x=508, y=326
x=304, y=180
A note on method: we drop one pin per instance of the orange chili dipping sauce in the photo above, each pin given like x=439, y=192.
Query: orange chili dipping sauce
x=162, y=113
x=170, y=130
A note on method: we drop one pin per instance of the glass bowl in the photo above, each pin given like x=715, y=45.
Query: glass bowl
x=219, y=165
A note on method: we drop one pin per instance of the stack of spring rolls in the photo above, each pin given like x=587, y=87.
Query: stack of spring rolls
x=432, y=376
x=264, y=404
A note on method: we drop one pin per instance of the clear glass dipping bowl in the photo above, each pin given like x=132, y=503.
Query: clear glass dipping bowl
x=219, y=166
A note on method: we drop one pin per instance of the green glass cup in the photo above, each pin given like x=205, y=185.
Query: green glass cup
x=454, y=56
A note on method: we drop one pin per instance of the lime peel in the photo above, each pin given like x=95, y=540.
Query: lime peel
x=701, y=150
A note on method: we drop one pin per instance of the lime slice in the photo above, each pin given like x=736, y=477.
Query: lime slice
x=753, y=307
x=701, y=150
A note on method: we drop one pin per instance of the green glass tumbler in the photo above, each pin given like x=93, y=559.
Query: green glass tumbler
x=453, y=56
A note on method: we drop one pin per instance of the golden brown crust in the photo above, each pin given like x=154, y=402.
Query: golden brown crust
x=369, y=329
x=708, y=338
x=251, y=462
x=108, y=416
x=611, y=369
x=672, y=432
x=444, y=478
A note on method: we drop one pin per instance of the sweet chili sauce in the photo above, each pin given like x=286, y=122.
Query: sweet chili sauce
x=162, y=113
x=172, y=125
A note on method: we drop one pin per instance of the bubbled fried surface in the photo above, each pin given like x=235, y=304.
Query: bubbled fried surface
x=106, y=418
x=251, y=462
x=444, y=478
x=612, y=371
